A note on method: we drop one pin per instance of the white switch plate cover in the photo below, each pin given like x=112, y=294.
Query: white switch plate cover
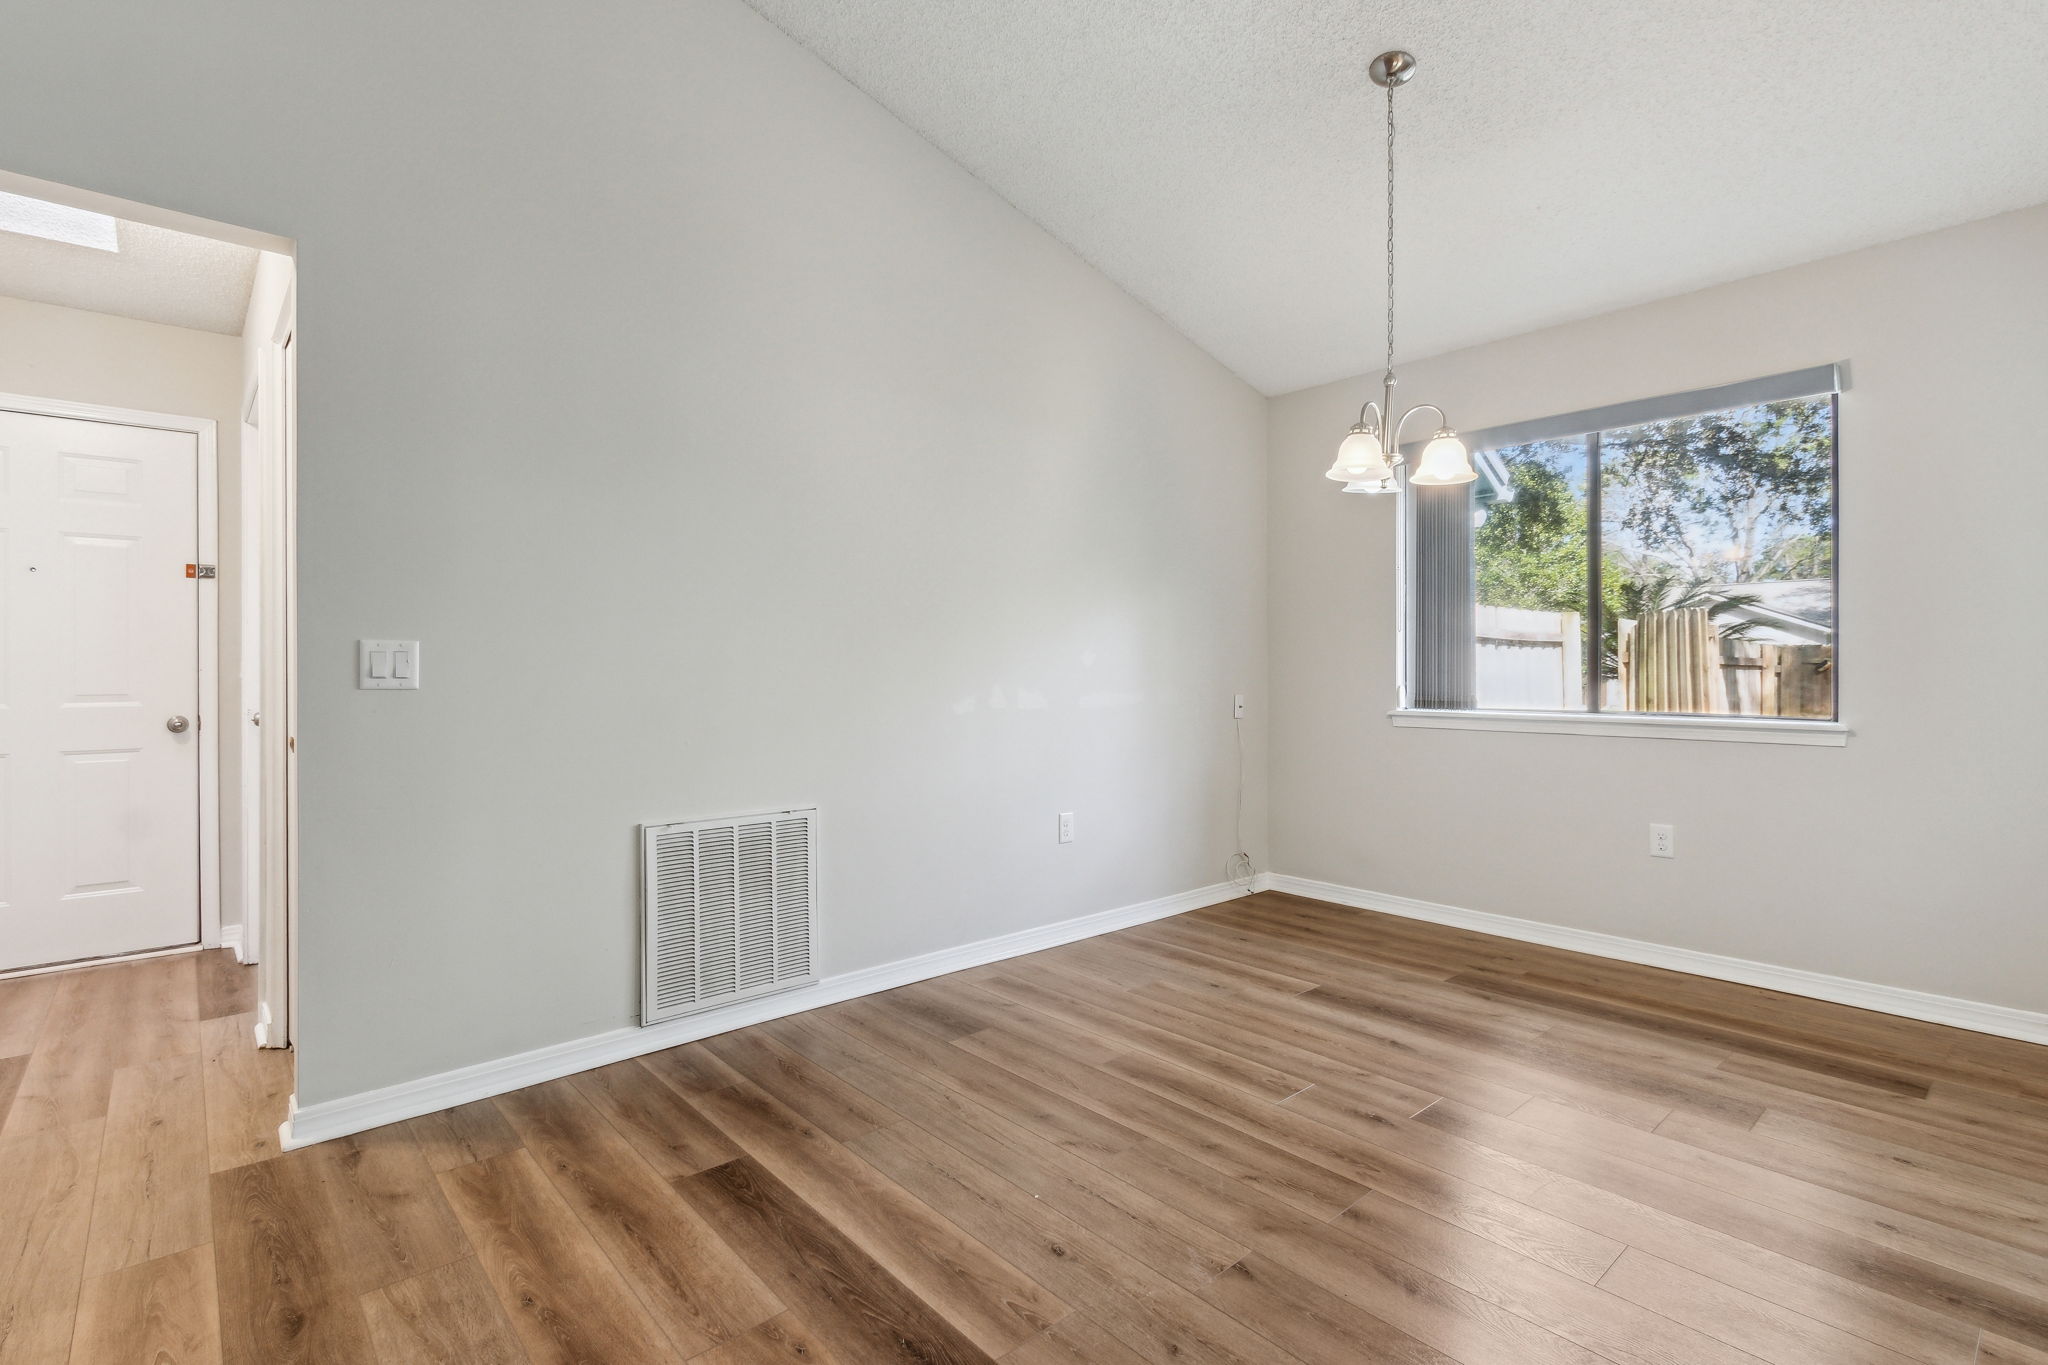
x=387, y=665
x=1663, y=841
x=1066, y=827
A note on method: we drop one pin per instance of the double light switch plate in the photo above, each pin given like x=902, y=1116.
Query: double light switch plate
x=387, y=664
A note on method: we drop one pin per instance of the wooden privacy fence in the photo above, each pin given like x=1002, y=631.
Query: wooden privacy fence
x=1677, y=661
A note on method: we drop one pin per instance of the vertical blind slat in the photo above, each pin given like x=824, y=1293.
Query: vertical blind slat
x=1446, y=646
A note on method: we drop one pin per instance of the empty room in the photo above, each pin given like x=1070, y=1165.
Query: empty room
x=746, y=681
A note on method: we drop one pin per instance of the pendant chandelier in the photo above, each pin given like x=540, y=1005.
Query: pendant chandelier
x=1370, y=459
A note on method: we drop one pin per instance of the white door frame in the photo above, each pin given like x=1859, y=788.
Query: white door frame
x=270, y=805
x=288, y=516
x=209, y=718
x=268, y=607
x=249, y=669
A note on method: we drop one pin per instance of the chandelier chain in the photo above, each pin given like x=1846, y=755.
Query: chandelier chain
x=1370, y=458
x=1390, y=232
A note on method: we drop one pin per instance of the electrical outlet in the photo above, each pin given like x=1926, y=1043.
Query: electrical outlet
x=1237, y=706
x=1663, y=841
x=1066, y=827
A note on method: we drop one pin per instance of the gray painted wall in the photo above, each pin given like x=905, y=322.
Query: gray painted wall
x=1913, y=856
x=726, y=446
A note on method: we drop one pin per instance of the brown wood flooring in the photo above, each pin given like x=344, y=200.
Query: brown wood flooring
x=1270, y=1132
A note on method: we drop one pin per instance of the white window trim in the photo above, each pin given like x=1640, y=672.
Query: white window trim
x=1832, y=378
x=1619, y=725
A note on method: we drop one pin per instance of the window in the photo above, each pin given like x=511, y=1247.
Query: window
x=1670, y=557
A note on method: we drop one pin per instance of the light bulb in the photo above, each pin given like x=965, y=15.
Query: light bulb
x=1444, y=461
x=1360, y=459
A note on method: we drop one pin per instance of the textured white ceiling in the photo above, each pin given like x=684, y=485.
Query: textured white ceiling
x=1222, y=159
x=157, y=275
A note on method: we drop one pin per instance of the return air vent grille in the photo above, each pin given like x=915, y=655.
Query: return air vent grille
x=726, y=910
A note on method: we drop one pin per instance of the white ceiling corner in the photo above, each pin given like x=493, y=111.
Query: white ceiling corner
x=157, y=276
x=1221, y=159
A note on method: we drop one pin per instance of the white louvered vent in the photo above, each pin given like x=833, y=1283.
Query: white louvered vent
x=726, y=910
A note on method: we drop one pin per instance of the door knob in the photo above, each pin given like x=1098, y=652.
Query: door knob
x=177, y=725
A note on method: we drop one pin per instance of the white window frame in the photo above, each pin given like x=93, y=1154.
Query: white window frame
x=1806, y=383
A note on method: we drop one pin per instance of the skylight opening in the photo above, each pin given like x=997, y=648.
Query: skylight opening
x=57, y=222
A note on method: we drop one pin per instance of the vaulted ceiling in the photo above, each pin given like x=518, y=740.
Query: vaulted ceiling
x=1223, y=159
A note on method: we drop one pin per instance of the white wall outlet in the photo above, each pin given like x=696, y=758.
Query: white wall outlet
x=383, y=665
x=1066, y=827
x=1663, y=841
x=1237, y=706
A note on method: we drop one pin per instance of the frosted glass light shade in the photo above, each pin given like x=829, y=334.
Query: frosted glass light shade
x=1444, y=461
x=1360, y=459
x=1369, y=486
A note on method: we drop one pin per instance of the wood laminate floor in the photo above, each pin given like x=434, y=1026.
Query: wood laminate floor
x=1270, y=1132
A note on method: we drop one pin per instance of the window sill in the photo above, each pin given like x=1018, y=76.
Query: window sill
x=1738, y=729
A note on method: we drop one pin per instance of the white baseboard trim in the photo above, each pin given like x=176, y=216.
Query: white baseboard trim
x=2002, y=1020
x=231, y=939
x=262, y=1028
x=409, y=1099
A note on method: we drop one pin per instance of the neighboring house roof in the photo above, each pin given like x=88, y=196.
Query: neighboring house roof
x=1794, y=611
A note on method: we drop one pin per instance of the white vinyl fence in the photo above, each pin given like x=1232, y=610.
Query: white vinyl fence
x=1530, y=660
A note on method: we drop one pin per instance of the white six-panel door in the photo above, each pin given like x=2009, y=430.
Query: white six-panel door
x=99, y=791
